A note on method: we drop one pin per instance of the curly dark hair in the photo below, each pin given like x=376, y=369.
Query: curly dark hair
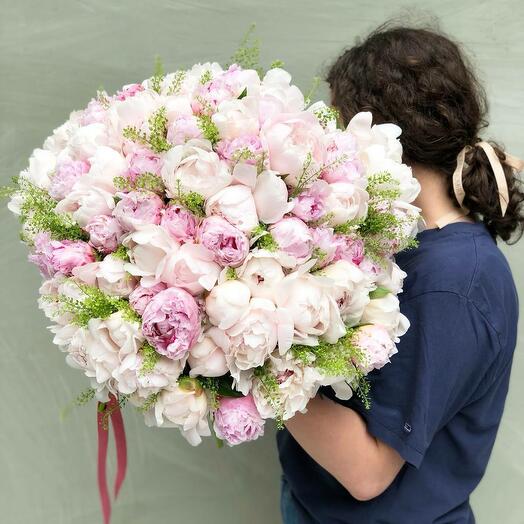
x=422, y=80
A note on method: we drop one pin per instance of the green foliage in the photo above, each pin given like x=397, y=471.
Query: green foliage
x=206, y=77
x=81, y=400
x=276, y=63
x=217, y=387
x=247, y=55
x=337, y=360
x=265, y=239
x=326, y=115
x=208, y=128
x=94, y=304
x=158, y=75
x=231, y=273
x=349, y=227
x=150, y=358
x=145, y=181
x=379, y=292
x=38, y=214
x=148, y=403
x=271, y=391
x=243, y=94
x=192, y=201
x=176, y=84
x=312, y=90
x=156, y=139
x=121, y=253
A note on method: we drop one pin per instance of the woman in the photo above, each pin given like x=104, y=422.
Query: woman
x=419, y=452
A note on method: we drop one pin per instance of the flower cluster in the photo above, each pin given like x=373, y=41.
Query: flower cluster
x=215, y=249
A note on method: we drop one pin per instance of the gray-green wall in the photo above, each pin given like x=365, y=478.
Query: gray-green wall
x=54, y=54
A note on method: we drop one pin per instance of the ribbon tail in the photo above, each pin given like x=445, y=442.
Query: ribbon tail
x=103, y=437
x=121, y=448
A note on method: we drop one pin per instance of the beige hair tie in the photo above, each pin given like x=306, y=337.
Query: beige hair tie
x=498, y=171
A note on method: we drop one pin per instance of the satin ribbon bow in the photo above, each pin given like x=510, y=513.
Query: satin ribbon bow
x=498, y=171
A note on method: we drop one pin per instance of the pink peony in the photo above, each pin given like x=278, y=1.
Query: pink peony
x=65, y=255
x=184, y=128
x=349, y=248
x=141, y=296
x=41, y=255
x=94, y=113
x=247, y=147
x=67, y=173
x=179, y=223
x=294, y=141
x=376, y=344
x=237, y=420
x=142, y=160
x=228, y=244
x=293, y=237
x=324, y=244
x=129, y=91
x=138, y=208
x=105, y=233
x=311, y=204
x=171, y=322
x=342, y=160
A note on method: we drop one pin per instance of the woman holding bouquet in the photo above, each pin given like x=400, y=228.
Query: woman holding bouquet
x=422, y=448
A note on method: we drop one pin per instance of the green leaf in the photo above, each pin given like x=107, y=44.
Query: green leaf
x=380, y=292
x=243, y=94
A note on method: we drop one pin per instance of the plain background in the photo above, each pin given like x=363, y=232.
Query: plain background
x=54, y=54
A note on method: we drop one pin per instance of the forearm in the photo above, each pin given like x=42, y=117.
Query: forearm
x=336, y=437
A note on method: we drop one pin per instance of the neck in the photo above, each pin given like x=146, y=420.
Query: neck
x=433, y=198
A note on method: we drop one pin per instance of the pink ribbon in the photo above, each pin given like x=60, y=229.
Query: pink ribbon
x=106, y=413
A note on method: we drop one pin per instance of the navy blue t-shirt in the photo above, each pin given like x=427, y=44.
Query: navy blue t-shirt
x=440, y=400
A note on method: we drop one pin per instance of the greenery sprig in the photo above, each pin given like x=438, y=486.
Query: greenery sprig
x=156, y=138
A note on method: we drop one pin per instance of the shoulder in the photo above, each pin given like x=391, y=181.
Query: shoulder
x=463, y=265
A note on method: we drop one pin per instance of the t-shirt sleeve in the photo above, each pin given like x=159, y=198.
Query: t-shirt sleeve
x=441, y=363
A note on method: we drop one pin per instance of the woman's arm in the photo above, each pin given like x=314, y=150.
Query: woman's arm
x=336, y=437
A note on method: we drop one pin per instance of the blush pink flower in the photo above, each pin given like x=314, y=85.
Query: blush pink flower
x=129, y=91
x=182, y=129
x=342, y=160
x=247, y=147
x=325, y=245
x=64, y=255
x=179, y=223
x=138, y=208
x=293, y=237
x=41, y=255
x=142, y=160
x=141, y=296
x=94, y=113
x=237, y=420
x=227, y=243
x=311, y=204
x=171, y=322
x=105, y=233
x=294, y=141
x=376, y=345
x=349, y=248
x=67, y=173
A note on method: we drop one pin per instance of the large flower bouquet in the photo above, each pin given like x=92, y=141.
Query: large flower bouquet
x=215, y=249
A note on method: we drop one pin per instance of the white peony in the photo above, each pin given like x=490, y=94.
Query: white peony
x=271, y=197
x=191, y=267
x=147, y=247
x=109, y=275
x=194, y=167
x=313, y=309
x=386, y=311
x=227, y=302
x=42, y=164
x=184, y=406
x=236, y=205
x=207, y=357
x=346, y=202
x=262, y=272
x=350, y=289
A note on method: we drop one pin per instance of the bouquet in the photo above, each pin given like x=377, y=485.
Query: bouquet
x=215, y=249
